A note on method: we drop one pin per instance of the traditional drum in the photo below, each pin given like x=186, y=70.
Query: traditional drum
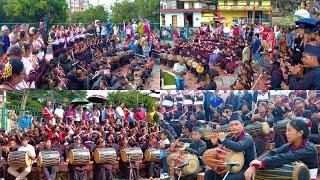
x=131, y=154
x=152, y=154
x=177, y=159
x=19, y=159
x=170, y=57
x=214, y=158
x=48, y=158
x=200, y=69
x=105, y=155
x=294, y=171
x=79, y=156
x=194, y=64
x=280, y=127
x=258, y=129
x=190, y=61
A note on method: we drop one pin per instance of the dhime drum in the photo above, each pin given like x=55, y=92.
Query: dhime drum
x=19, y=159
x=152, y=154
x=294, y=171
x=258, y=129
x=79, y=156
x=216, y=157
x=105, y=155
x=131, y=154
x=280, y=127
x=48, y=158
x=177, y=159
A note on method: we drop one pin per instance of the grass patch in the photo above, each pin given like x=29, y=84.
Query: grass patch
x=168, y=79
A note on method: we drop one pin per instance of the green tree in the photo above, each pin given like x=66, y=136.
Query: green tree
x=130, y=98
x=127, y=10
x=26, y=11
x=95, y=13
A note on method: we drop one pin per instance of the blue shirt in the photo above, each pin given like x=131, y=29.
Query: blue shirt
x=216, y=101
x=6, y=41
x=256, y=45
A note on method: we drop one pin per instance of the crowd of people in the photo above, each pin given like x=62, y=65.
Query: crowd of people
x=292, y=116
x=287, y=57
x=79, y=126
x=83, y=58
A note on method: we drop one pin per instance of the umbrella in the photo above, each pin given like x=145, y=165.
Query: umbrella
x=303, y=13
x=307, y=22
x=79, y=101
x=97, y=98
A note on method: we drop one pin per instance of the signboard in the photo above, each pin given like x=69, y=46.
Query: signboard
x=247, y=8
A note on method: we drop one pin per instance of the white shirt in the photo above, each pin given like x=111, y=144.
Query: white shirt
x=119, y=111
x=59, y=112
x=29, y=148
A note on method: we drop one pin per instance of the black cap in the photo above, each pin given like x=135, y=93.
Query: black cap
x=197, y=129
x=235, y=117
x=313, y=50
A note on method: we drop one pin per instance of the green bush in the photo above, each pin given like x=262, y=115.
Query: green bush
x=168, y=79
x=131, y=99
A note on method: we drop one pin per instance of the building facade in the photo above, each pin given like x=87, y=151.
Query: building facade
x=182, y=13
x=244, y=11
x=77, y=5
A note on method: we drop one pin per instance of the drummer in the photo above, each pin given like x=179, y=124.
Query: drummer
x=298, y=149
x=49, y=172
x=196, y=147
x=77, y=172
x=240, y=141
x=102, y=171
x=32, y=155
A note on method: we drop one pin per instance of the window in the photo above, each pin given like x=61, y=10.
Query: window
x=260, y=2
x=248, y=2
x=235, y=2
x=225, y=2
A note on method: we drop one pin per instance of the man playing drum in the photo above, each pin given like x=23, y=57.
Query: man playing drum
x=240, y=141
x=32, y=155
x=51, y=171
x=196, y=147
x=102, y=171
x=298, y=149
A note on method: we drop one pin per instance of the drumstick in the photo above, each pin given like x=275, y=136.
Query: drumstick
x=256, y=82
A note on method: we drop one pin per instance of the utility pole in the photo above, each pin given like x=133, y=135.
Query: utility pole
x=254, y=11
x=24, y=102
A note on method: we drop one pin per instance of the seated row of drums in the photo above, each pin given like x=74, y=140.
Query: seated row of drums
x=216, y=158
x=20, y=159
x=170, y=60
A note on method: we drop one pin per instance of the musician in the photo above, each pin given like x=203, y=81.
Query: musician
x=180, y=69
x=300, y=111
x=77, y=172
x=262, y=116
x=125, y=166
x=50, y=172
x=10, y=146
x=196, y=147
x=298, y=149
x=240, y=141
x=311, y=60
x=32, y=155
x=164, y=144
x=102, y=171
x=212, y=85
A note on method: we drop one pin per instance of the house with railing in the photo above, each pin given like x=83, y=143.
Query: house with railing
x=186, y=13
x=244, y=11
